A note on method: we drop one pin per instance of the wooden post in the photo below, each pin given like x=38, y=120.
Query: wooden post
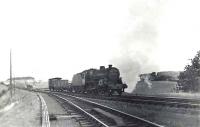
x=11, y=87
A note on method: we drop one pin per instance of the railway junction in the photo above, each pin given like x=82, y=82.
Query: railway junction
x=61, y=109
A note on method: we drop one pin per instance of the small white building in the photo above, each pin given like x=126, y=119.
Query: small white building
x=23, y=82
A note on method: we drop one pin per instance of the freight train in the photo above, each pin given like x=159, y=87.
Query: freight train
x=102, y=81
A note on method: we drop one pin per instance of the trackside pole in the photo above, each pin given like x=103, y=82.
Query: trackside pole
x=11, y=87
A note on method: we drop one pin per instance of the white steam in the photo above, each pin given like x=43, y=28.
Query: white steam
x=139, y=42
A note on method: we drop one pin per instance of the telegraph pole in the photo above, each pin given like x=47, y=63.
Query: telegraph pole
x=11, y=85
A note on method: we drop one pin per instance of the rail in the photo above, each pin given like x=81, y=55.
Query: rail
x=83, y=111
x=172, y=102
x=44, y=112
x=106, y=108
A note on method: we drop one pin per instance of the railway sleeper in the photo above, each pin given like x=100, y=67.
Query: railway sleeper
x=117, y=120
x=62, y=116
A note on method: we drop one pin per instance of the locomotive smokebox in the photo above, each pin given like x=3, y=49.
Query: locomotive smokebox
x=102, y=67
x=110, y=66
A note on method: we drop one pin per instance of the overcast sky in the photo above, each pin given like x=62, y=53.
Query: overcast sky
x=59, y=38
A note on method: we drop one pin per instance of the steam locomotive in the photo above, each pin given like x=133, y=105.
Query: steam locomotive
x=103, y=81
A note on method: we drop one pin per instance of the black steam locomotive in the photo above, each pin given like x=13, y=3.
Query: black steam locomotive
x=98, y=81
x=103, y=81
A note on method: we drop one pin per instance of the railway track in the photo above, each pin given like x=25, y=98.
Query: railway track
x=171, y=102
x=168, y=101
x=91, y=114
x=151, y=100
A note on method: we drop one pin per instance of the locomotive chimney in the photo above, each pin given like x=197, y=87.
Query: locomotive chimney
x=102, y=68
x=110, y=66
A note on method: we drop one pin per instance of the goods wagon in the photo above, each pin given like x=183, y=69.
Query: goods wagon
x=57, y=84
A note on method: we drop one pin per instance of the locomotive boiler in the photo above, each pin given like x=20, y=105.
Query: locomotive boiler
x=106, y=81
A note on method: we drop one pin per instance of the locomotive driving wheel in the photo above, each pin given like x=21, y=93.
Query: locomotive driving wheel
x=119, y=92
x=102, y=92
x=110, y=92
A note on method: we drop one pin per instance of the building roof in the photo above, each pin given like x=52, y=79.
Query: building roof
x=56, y=78
x=22, y=78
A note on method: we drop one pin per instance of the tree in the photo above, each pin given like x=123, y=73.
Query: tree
x=189, y=79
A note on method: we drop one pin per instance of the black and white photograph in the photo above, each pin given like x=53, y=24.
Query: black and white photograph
x=99, y=63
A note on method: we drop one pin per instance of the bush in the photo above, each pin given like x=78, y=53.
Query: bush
x=189, y=79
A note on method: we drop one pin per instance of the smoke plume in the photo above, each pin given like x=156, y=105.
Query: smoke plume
x=138, y=45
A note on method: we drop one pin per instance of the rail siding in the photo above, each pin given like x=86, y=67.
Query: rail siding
x=44, y=112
